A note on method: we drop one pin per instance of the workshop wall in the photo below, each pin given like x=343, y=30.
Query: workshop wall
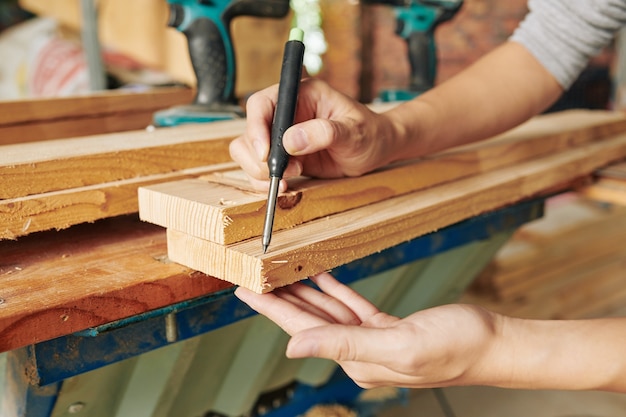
x=363, y=55
x=381, y=56
x=380, y=59
x=137, y=30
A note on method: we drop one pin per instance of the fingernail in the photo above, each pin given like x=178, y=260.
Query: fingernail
x=298, y=141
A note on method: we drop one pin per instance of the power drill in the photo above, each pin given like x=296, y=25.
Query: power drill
x=416, y=21
x=206, y=24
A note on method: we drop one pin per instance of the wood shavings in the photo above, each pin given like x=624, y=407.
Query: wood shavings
x=26, y=224
x=224, y=202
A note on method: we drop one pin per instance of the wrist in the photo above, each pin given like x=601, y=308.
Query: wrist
x=413, y=129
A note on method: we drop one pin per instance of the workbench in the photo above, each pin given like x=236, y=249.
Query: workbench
x=96, y=320
x=150, y=338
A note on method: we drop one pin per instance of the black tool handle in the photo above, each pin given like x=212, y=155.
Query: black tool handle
x=258, y=8
x=208, y=53
x=207, y=50
x=285, y=112
x=423, y=60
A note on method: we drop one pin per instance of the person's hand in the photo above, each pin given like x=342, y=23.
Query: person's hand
x=333, y=136
x=440, y=346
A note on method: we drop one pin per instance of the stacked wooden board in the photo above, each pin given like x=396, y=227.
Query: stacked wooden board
x=570, y=264
x=118, y=267
x=609, y=185
x=213, y=223
x=36, y=120
x=62, y=179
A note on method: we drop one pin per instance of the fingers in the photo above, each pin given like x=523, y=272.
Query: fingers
x=358, y=304
x=346, y=343
x=290, y=294
x=250, y=150
x=289, y=316
x=259, y=115
x=332, y=137
x=326, y=306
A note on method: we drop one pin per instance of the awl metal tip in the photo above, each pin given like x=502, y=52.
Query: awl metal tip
x=265, y=249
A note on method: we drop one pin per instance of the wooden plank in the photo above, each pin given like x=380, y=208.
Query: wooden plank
x=553, y=246
x=609, y=185
x=568, y=264
x=33, y=120
x=56, y=283
x=606, y=189
x=519, y=282
x=94, y=104
x=335, y=240
x=226, y=215
x=62, y=209
x=615, y=171
x=40, y=167
x=593, y=291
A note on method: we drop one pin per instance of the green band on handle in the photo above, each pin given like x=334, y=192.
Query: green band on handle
x=296, y=34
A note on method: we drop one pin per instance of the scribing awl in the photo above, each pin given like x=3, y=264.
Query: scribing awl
x=284, y=115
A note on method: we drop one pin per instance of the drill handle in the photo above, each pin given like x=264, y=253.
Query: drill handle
x=422, y=59
x=210, y=56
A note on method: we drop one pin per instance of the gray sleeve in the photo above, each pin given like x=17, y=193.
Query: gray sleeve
x=564, y=34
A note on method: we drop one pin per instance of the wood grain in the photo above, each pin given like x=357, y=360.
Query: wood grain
x=62, y=209
x=40, y=167
x=57, y=283
x=609, y=185
x=227, y=215
x=567, y=265
x=32, y=120
x=325, y=243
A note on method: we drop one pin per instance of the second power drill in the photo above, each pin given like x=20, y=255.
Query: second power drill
x=206, y=25
x=416, y=21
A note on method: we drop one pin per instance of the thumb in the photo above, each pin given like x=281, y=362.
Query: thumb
x=312, y=136
x=341, y=343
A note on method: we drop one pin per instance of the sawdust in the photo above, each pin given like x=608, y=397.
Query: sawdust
x=330, y=411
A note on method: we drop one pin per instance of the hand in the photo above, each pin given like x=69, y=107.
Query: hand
x=436, y=347
x=333, y=136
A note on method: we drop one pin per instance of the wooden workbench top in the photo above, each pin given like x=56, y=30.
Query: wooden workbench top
x=59, y=282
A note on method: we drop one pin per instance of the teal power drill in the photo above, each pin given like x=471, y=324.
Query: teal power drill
x=206, y=24
x=416, y=22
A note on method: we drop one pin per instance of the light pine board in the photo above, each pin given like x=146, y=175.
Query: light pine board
x=33, y=120
x=570, y=264
x=609, y=185
x=334, y=240
x=209, y=209
x=62, y=209
x=40, y=167
x=569, y=240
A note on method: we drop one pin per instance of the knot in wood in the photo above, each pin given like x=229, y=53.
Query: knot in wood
x=289, y=201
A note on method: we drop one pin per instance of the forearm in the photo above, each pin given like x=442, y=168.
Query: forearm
x=503, y=89
x=553, y=354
